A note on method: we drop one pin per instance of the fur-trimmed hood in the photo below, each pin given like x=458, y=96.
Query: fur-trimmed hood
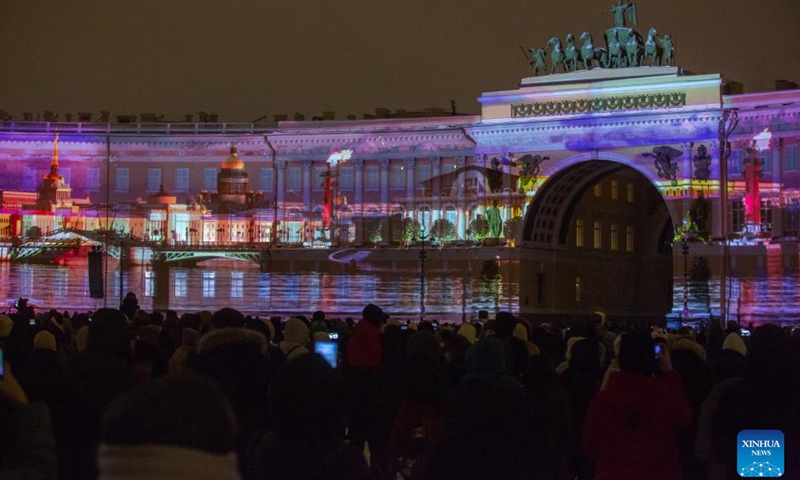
x=228, y=336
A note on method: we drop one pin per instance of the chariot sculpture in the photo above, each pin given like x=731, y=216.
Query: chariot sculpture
x=625, y=47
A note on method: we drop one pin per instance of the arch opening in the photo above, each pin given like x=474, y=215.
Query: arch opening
x=597, y=237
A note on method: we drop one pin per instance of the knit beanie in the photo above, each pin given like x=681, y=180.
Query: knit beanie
x=467, y=330
x=44, y=340
x=735, y=343
x=521, y=332
x=373, y=314
x=81, y=338
x=687, y=344
x=296, y=331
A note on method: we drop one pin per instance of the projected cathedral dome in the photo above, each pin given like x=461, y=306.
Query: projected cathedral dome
x=232, y=181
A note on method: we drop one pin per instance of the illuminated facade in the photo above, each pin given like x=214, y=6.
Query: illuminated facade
x=604, y=165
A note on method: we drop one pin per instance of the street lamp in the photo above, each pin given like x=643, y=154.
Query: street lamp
x=423, y=254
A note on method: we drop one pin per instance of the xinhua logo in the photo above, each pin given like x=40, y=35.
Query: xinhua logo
x=760, y=453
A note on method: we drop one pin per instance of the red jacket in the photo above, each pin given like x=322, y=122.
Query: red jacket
x=364, y=347
x=631, y=427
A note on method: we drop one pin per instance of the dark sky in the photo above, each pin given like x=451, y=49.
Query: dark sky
x=246, y=58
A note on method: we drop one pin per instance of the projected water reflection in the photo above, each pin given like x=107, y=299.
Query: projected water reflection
x=451, y=297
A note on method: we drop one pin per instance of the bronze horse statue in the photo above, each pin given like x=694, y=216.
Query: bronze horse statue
x=571, y=54
x=590, y=53
x=651, y=49
x=556, y=55
x=633, y=49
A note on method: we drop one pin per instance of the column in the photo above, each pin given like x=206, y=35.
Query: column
x=480, y=160
x=307, y=187
x=461, y=222
x=280, y=190
x=384, y=162
x=436, y=193
x=358, y=201
x=715, y=198
x=412, y=207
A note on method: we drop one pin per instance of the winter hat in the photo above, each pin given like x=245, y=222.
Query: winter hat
x=189, y=337
x=270, y=327
x=393, y=321
x=6, y=325
x=44, y=340
x=572, y=341
x=81, y=338
x=467, y=330
x=735, y=343
x=521, y=332
x=687, y=344
x=296, y=331
x=373, y=314
x=320, y=337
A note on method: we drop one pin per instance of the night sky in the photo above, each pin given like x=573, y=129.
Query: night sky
x=243, y=59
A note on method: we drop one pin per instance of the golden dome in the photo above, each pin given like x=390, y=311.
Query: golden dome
x=233, y=162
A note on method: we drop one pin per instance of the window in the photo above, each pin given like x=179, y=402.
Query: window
x=265, y=179
x=598, y=235
x=614, y=193
x=736, y=161
x=181, y=284
x=372, y=177
x=448, y=168
x=66, y=172
x=766, y=215
x=737, y=211
x=237, y=284
x=766, y=160
x=346, y=178
x=447, y=288
x=629, y=239
x=451, y=215
x=28, y=178
x=614, y=237
x=343, y=287
x=541, y=288
x=397, y=177
x=791, y=157
x=209, y=284
x=153, y=179
x=598, y=190
x=423, y=173
x=577, y=289
x=181, y=179
x=92, y=179
x=122, y=179
x=630, y=192
x=61, y=282
x=263, y=285
x=293, y=180
x=149, y=283
x=318, y=178
x=316, y=287
x=209, y=178
x=291, y=288
x=579, y=232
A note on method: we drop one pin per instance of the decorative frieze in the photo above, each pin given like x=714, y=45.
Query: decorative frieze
x=591, y=105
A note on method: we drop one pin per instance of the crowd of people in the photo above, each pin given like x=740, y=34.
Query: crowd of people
x=128, y=394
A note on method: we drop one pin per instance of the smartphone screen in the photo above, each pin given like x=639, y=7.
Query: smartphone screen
x=329, y=351
x=658, y=350
x=2, y=365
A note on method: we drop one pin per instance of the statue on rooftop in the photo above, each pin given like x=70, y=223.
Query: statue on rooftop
x=571, y=54
x=537, y=60
x=668, y=49
x=619, y=10
x=556, y=55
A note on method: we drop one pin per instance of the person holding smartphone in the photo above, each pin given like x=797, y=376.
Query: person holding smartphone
x=632, y=426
